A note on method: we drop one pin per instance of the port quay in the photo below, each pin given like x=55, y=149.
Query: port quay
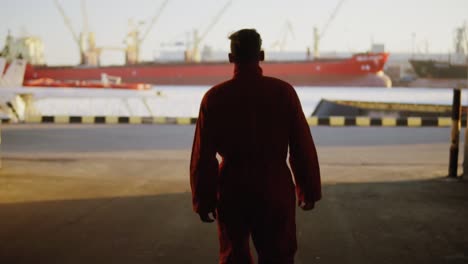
x=98, y=117
x=78, y=187
x=101, y=175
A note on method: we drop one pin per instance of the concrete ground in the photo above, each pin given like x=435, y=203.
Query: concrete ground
x=385, y=199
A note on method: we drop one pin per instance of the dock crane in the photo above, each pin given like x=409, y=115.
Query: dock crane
x=84, y=14
x=461, y=40
x=287, y=31
x=86, y=40
x=193, y=55
x=318, y=35
x=133, y=40
x=78, y=38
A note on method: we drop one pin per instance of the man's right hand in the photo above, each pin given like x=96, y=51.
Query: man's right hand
x=205, y=216
x=306, y=206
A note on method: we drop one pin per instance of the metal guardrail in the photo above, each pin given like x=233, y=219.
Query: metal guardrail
x=333, y=121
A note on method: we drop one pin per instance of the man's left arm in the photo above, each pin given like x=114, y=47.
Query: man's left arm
x=204, y=167
x=303, y=157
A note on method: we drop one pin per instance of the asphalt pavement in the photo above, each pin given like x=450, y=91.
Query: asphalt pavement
x=121, y=194
x=98, y=138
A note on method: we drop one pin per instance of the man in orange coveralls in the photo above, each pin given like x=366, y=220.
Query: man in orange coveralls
x=250, y=121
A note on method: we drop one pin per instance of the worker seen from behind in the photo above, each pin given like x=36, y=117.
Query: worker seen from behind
x=250, y=121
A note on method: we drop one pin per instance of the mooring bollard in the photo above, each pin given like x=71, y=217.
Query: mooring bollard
x=465, y=150
x=455, y=138
x=465, y=147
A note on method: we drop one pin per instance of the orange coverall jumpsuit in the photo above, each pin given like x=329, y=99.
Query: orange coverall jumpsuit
x=250, y=121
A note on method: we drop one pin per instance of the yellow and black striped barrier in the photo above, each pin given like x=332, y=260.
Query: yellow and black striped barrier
x=111, y=120
x=333, y=121
x=362, y=121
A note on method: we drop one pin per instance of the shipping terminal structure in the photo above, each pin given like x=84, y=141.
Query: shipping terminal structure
x=362, y=69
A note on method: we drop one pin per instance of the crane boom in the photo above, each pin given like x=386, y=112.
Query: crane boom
x=466, y=40
x=84, y=13
x=215, y=21
x=154, y=20
x=331, y=18
x=67, y=22
x=287, y=31
x=318, y=35
x=194, y=53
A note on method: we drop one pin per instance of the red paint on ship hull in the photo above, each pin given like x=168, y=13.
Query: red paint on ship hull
x=358, y=70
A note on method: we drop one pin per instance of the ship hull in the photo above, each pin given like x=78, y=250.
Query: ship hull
x=358, y=70
x=439, y=70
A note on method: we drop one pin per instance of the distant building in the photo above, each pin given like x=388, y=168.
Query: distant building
x=378, y=48
x=30, y=48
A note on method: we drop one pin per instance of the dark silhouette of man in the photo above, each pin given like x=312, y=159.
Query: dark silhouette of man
x=250, y=121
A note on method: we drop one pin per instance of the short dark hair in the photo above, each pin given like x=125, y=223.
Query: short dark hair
x=246, y=45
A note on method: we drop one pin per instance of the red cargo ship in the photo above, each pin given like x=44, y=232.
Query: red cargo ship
x=363, y=69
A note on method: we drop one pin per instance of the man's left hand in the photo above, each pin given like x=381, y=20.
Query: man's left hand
x=205, y=216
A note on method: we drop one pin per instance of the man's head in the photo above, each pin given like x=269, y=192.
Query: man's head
x=246, y=47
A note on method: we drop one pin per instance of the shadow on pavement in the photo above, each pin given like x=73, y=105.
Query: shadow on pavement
x=392, y=222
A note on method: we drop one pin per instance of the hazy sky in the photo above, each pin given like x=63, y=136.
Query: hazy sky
x=357, y=23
